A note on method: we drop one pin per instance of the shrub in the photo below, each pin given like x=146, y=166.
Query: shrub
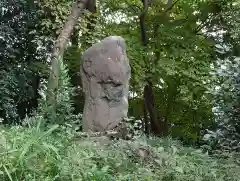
x=31, y=154
x=63, y=114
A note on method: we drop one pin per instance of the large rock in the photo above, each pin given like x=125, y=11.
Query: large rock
x=105, y=73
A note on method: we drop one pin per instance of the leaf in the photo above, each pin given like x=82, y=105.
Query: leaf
x=179, y=169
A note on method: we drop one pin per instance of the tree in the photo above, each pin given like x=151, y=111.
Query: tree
x=177, y=65
x=22, y=49
x=226, y=86
x=171, y=47
x=59, y=47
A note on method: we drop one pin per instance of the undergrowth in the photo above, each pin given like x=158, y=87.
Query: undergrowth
x=54, y=153
x=30, y=154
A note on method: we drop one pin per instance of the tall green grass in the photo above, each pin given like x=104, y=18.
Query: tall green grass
x=30, y=154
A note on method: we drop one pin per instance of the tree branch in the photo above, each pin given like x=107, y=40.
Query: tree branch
x=134, y=7
x=203, y=24
x=59, y=47
x=170, y=5
x=142, y=22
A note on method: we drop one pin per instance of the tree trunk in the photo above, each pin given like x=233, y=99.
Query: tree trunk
x=59, y=47
x=78, y=97
x=148, y=97
x=75, y=78
x=145, y=118
x=155, y=122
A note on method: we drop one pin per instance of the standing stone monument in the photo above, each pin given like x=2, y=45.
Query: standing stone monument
x=105, y=74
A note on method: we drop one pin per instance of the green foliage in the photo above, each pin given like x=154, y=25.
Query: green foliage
x=22, y=51
x=225, y=136
x=177, y=61
x=183, y=47
x=26, y=147
x=54, y=14
x=63, y=112
x=31, y=154
x=230, y=126
x=8, y=86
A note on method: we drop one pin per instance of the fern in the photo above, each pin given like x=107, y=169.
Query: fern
x=63, y=112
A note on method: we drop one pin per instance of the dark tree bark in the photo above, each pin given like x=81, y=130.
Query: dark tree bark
x=145, y=117
x=159, y=125
x=148, y=96
x=75, y=78
x=33, y=104
x=156, y=127
x=27, y=106
x=91, y=6
x=59, y=48
x=142, y=18
x=78, y=96
x=74, y=37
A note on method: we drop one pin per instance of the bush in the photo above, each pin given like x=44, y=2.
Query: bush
x=63, y=114
x=31, y=154
x=8, y=87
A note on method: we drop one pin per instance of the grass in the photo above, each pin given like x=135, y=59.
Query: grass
x=30, y=154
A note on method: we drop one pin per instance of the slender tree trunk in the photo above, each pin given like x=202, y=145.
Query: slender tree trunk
x=74, y=38
x=156, y=127
x=159, y=125
x=148, y=97
x=75, y=79
x=78, y=96
x=59, y=47
x=33, y=102
x=145, y=118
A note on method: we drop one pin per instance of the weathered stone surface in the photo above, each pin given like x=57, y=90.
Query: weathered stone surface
x=105, y=74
